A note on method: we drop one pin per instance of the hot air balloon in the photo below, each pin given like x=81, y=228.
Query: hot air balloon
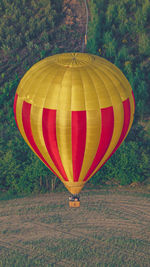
x=74, y=110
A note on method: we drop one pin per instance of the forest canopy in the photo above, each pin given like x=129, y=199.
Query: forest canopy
x=31, y=30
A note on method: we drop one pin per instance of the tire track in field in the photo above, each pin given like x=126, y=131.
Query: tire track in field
x=77, y=219
x=27, y=251
x=139, y=211
x=82, y=237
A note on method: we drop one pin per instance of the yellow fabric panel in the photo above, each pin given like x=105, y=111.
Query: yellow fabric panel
x=19, y=119
x=20, y=123
x=114, y=81
x=74, y=187
x=74, y=82
x=42, y=86
x=90, y=96
x=77, y=99
x=115, y=71
x=64, y=97
x=36, y=68
x=98, y=88
x=131, y=100
x=125, y=85
x=81, y=74
x=64, y=142
x=118, y=118
x=118, y=125
x=37, y=132
x=93, y=132
x=37, y=87
x=28, y=83
x=132, y=107
x=131, y=115
x=122, y=78
x=122, y=85
x=54, y=90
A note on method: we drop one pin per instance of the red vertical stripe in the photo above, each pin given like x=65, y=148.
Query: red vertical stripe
x=49, y=133
x=107, y=122
x=15, y=104
x=78, y=141
x=26, y=110
x=126, y=107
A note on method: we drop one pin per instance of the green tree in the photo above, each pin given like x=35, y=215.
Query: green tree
x=129, y=164
x=144, y=44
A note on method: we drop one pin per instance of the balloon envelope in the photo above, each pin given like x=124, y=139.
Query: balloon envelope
x=74, y=110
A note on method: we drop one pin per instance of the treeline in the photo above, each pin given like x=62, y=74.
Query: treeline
x=31, y=30
x=25, y=21
x=119, y=32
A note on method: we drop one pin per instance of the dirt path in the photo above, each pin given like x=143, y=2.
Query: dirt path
x=115, y=222
x=77, y=15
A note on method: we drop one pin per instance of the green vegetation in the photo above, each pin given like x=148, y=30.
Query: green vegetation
x=80, y=252
x=109, y=229
x=31, y=30
x=118, y=31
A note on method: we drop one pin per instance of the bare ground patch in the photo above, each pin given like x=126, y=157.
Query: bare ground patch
x=109, y=229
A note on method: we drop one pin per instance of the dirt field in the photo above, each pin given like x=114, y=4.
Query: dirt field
x=109, y=229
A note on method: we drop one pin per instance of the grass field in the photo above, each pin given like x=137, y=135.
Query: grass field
x=111, y=228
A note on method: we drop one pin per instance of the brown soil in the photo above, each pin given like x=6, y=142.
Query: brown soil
x=75, y=16
x=101, y=216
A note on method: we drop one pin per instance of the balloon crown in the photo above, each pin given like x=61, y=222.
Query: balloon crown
x=74, y=60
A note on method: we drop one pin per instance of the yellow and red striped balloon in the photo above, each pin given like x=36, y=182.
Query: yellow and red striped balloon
x=74, y=110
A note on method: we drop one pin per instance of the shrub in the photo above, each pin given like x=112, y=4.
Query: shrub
x=123, y=54
x=146, y=12
x=144, y=44
x=111, y=13
x=110, y=45
x=93, y=25
x=129, y=164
